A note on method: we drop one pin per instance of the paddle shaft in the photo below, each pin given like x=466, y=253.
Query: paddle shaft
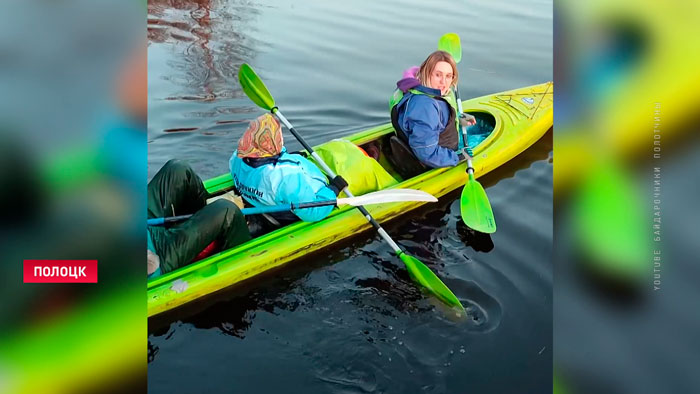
x=450, y=43
x=332, y=174
x=470, y=169
x=250, y=211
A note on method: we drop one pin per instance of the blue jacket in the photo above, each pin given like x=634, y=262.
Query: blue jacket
x=423, y=118
x=292, y=178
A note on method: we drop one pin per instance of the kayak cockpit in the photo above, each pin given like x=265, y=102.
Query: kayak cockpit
x=397, y=158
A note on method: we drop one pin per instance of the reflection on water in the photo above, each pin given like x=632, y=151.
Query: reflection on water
x=331, y=68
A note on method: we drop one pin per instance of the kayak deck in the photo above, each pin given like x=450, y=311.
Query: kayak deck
x=519, y=118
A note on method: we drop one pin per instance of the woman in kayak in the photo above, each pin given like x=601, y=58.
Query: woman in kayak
x=177, y=190
x=266, y=174
x=424, y=117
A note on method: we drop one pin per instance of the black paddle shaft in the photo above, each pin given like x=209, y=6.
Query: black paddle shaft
x=311, y=150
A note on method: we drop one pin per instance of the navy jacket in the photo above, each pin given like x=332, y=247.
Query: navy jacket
x=423, y=118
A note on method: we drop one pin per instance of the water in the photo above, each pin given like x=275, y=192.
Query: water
x=349, y=319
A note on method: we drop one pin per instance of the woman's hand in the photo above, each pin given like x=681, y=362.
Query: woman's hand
x=467, y=151
x=467, y=120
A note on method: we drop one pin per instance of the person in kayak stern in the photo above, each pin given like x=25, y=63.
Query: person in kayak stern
x=177, y=190
x=425, y=116
x=266, y=174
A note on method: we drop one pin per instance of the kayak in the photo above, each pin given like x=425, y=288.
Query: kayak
x=516, y=119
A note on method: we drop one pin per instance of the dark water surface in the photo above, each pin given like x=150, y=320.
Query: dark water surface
x=349, y=320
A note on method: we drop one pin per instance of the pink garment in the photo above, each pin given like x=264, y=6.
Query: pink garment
x=409, y=79
x=411, y=72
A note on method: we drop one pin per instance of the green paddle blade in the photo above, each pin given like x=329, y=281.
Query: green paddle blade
x=611, y=223
x=427, y=278
x=254, y=87
x=476, y=208
x=451, y=44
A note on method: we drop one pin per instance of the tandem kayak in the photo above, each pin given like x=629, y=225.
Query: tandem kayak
x=515, y=120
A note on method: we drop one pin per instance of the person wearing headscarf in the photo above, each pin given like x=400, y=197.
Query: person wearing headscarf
x=266, y=174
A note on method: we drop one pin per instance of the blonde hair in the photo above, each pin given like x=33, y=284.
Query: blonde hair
x=429, y=65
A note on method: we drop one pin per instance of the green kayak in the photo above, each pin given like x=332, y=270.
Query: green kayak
x=516, y=119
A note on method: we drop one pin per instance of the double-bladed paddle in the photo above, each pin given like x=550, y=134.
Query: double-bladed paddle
x=378, y=197
x=474, y=204
x=256, y=90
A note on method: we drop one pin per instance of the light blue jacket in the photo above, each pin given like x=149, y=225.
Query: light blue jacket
x=291, y=179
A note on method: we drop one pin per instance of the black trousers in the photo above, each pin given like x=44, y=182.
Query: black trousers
x=177, y=190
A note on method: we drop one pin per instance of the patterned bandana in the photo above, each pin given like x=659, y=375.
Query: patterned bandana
x=262, y=139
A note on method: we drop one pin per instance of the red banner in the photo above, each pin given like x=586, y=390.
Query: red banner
x=60, y=271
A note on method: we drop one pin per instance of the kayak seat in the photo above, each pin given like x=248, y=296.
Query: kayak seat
x=259, y=225
x=403, y=159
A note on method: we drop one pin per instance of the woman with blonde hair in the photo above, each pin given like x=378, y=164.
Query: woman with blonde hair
x=424, y=117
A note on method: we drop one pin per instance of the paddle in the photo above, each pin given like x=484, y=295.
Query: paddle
x=379, y=197
x=474, y=204
x=256, y=90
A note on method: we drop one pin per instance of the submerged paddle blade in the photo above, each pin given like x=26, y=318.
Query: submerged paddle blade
x=390, y=195
x=476, y=208
x=427, y=278
x=254, y=87
x=451, y=44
